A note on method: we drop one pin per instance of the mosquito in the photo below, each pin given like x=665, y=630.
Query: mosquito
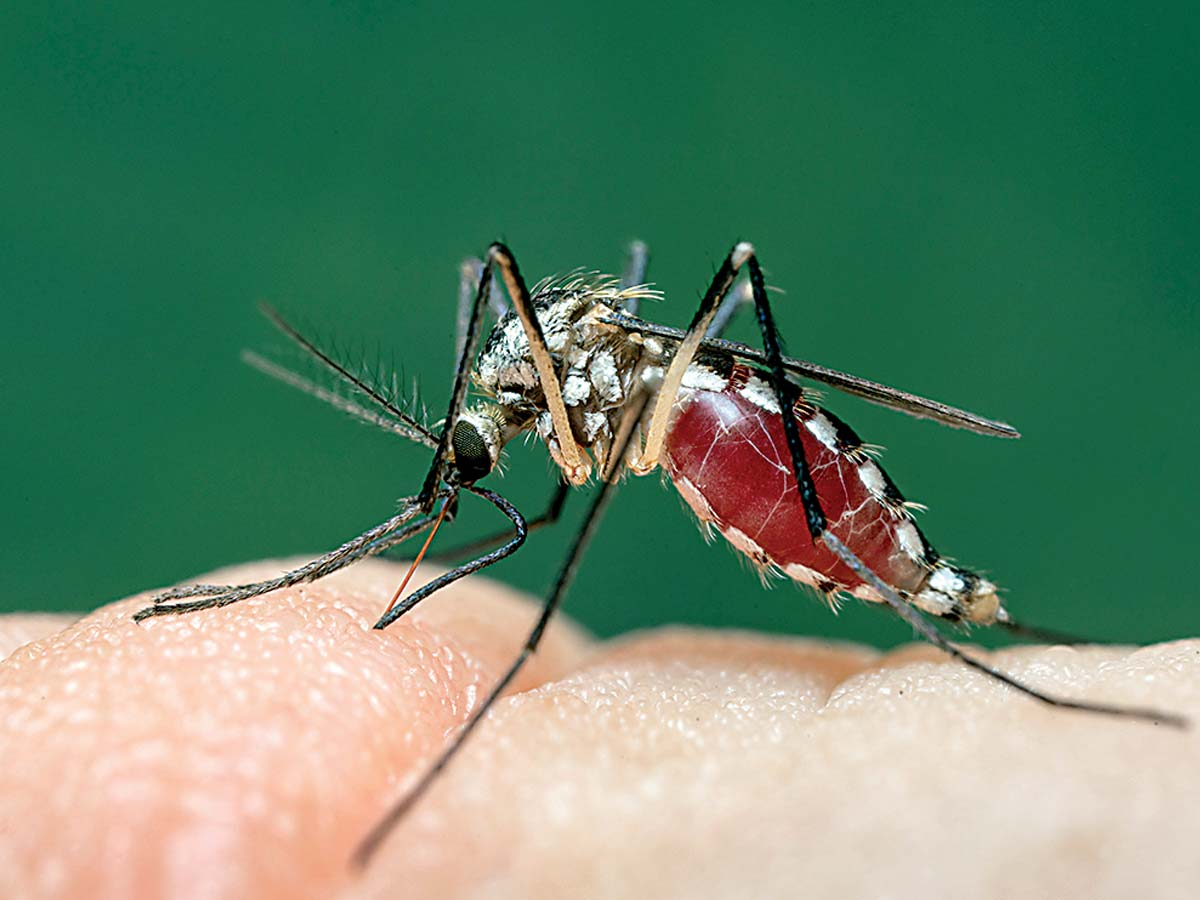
x=783, y=480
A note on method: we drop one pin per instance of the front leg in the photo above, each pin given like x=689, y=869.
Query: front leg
x=575, y=467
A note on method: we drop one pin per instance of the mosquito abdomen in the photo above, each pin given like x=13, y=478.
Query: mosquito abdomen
x=727, y=455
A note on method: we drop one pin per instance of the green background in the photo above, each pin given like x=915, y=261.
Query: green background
x=994, y=207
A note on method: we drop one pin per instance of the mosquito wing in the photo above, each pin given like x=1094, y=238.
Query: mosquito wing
x=872, y=391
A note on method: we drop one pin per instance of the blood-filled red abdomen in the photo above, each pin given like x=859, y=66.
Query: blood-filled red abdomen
x=729, y=459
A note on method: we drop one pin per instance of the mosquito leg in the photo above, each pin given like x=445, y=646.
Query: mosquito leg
x=548, y=517
x=566, y=573
x=375, y=540
x=573, y=463
x=637, y=260
x=686, y=351
x=786, y=395
x=734, y=300
x=379, y=532
x=469, y=273
x=468, y=342
x=520, y=531
x=1033, y=633
x=927, y=631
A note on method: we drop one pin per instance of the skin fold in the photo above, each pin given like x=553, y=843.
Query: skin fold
x=243, y=752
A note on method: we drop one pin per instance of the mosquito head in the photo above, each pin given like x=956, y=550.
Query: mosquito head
x=476, y=441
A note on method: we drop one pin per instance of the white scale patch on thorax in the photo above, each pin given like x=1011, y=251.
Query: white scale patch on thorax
x=576, y=389
x=602, y=370
x=593, y=422
x=506, y=359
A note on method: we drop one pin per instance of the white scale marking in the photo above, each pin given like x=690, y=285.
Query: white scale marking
x=822, y=429
x=872, y=478
x=909, y=539
x=575, y=389
x=602, y=371
x=592, y=423
x=761, y=395
x=702, y=378
x=945, y=580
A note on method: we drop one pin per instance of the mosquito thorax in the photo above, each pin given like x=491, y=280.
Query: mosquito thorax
x=599, y=364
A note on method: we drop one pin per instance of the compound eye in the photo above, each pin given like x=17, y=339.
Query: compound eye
x=471, y=456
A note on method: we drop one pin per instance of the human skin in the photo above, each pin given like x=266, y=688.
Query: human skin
x=244, y=752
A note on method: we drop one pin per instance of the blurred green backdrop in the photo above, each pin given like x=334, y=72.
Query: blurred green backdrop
x=995, y=207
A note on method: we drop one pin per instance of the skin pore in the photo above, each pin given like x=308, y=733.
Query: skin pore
x=244, y=751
